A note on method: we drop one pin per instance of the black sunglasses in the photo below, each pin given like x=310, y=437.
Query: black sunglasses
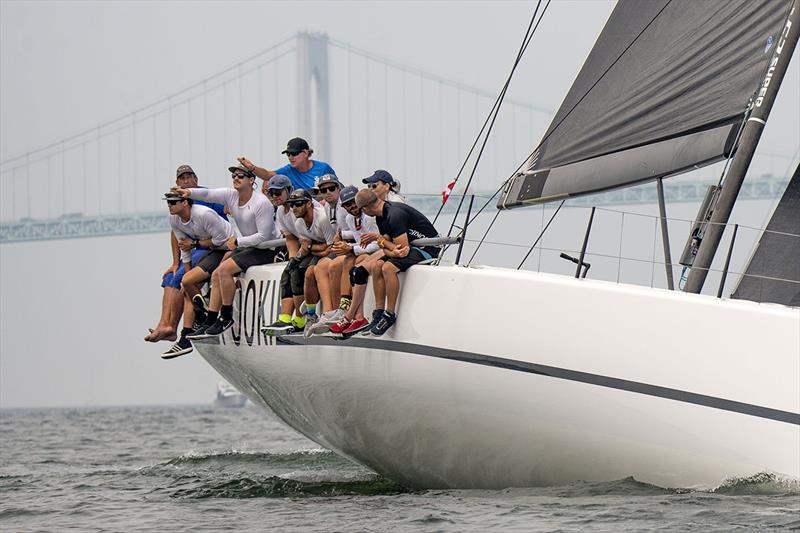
x=373, y=185
x=348, y=205
x=297, y=203
x=292, y=153
x=328, y=189
x=239, y=175
x=275, y=192
x=173, y=202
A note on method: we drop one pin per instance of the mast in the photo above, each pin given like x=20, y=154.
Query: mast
x=786, y=42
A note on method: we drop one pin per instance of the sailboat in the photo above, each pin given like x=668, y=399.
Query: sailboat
x=591, y=380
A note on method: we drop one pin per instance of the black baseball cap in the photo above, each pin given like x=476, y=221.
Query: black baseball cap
x=379, y=175
x=299, y=195
x=296, y=145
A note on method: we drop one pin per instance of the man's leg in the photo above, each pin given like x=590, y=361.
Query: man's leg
x=379, y=288
x=171, y=310
x=341, y=291
x=322, y=280
x=392, y=283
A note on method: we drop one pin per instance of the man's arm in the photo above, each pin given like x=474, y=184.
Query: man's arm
x=262, y=173
x=398, y=247
x=176, y=254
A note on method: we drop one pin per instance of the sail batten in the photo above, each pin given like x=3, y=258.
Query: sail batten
x=660, y=72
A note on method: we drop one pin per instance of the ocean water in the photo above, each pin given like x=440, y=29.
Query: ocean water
x=195, y=468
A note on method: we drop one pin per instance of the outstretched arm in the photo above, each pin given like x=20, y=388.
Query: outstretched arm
x=263, y=173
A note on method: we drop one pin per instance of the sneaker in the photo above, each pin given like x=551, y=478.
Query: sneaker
x=279, y=328
x=384, y=323
x=327, y=320
x=199, y=332
x=199, y=302
x=183, y=346
x=311, y=321
x=219, y=326
x=356, y=326
x=340, y=326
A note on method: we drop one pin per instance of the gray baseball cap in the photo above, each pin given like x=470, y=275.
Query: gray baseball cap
x=279, y=181
x=348, y=194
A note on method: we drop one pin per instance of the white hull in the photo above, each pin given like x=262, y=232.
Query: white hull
x=589, y=381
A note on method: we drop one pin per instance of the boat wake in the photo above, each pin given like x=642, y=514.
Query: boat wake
x=241, y=474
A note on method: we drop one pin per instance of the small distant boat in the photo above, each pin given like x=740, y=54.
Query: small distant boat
x=228, y=396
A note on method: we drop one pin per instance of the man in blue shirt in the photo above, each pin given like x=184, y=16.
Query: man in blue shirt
x=302, y=170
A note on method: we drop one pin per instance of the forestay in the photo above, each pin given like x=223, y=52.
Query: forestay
x=665, y=89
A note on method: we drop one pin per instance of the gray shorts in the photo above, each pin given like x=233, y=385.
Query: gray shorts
x=247, y=257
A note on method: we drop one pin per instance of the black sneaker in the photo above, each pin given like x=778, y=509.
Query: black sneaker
x=183, y=346
x=279, y=328
x=199, y=332
x=199, y=302
x=383, y=324
x=219, y=326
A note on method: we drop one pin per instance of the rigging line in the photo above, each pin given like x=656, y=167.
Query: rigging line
x=498, y=99
x=540, y=234
x=554, y=128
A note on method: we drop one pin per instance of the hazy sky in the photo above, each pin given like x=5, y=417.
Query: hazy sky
x=73, y=312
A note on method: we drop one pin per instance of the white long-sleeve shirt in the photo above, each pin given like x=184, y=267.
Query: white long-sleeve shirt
x=203, y=223
x=320, y=230
x=353, y=228
x=254, y=219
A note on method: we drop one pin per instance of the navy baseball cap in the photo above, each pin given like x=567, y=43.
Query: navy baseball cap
x=279, y=181
x=348, y=194
x=379, y=175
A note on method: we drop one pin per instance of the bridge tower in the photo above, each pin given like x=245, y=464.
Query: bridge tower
x=313, y=85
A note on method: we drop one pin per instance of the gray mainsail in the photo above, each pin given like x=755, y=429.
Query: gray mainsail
x=664, y=90
x=773, y=274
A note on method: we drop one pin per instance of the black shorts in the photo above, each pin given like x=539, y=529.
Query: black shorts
x=247, y=257
x=414, y=256
x=211, y=260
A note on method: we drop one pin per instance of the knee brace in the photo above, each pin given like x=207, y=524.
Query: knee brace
x=286, y=284
x=358, y=275
x=297, y=281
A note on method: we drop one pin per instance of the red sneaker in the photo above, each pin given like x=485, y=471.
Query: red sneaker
x=340, y=326
x=356, y=326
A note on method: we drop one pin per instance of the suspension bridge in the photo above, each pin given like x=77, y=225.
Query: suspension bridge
x=359, y=110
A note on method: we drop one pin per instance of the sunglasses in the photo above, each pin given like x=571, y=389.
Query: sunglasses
x=328, y=189
x=297, y=203
x=350, y=204
x=239, y=176
x=275, y=192
x=373, y=185
x=292, y=153
x=173, y=202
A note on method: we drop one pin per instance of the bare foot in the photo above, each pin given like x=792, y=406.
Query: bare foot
x=149, y=336
x=163, y=334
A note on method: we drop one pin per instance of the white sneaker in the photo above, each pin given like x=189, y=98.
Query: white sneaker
x=311, y=321
x=324, y=323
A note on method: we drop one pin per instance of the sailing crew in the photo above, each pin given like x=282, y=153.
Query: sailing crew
x=385, y=186
x=172, y=299
x=253, y=214
x=302, y=170
x=351, y=256
x=197, y=230
x=398, y=224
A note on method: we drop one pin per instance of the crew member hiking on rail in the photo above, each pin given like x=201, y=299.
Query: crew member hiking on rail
x=172, y=299
x=197, y=230
x=398, y=225
x=253, y=215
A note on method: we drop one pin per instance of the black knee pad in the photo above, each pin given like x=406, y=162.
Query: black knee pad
x=297, y=281
x=286, y=283
x=358, y=275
